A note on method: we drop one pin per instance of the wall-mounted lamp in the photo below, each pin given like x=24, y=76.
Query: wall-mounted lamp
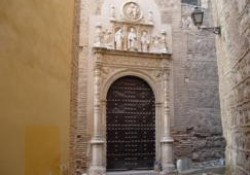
x=197, y=17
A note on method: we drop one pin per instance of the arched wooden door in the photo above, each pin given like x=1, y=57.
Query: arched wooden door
x=130, y=125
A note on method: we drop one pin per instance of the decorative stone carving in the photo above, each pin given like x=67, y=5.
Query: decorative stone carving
x=119, y=40
x=150, y=17
x=122, y=60
x=132, y=39
x=129, y=32
x=132, y=11
x=135, y=41
x=98, y=36
x=112, y=13
x=145, y=42
x=164, y=45
x=107, y=39
x=156, y=44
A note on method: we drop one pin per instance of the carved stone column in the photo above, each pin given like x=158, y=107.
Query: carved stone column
x=97, y=142
x=166, y=140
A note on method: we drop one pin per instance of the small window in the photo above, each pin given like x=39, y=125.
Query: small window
x=192, y=2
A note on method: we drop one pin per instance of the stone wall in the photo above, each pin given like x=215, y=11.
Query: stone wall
x=234, y=72
x=196, y=93
x=197, y=107
x=198, y=147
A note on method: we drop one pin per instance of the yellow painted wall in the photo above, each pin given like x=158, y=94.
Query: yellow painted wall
x=35, y=57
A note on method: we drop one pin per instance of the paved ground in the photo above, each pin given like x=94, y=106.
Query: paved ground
x=208, y=171
x=133, y=173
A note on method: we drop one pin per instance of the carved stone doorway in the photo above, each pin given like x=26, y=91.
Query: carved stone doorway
x=130, y=125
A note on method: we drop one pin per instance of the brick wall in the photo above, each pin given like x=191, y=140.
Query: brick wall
x=197, y=107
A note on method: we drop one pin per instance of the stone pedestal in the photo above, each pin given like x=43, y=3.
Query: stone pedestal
x=95, y=170
x=167, y=156
x=97, y=167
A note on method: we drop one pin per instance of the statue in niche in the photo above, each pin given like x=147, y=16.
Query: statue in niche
x=156, y=44
x=163, y=40
x=112, y=13
x=119, y=38
x=132, y=11
x=145, y=42
x=132, y=39
x=107, y=39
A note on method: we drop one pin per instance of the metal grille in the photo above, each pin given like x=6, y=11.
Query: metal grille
x=130, y=125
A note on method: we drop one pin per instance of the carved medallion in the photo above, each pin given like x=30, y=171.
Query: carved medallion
x=132, y=11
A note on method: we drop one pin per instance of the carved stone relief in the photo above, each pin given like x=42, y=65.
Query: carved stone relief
x=128, y=62
x=132, y=11
x=128, y=30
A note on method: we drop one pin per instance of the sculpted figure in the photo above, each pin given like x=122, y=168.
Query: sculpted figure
x=112, y=13
x=156, y=44
x=98, y=36
x=132, y=11
x=145, y=42
x=119, y=38
x=107, y=39
x=164, y=45
x=132, y=39
x=150, y=17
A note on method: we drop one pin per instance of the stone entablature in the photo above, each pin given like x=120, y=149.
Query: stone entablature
x=150, y=64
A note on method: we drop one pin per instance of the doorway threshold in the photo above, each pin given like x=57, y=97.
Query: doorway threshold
x=133, y=173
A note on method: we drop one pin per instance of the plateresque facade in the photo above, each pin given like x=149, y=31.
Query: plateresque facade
x=146, y=88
